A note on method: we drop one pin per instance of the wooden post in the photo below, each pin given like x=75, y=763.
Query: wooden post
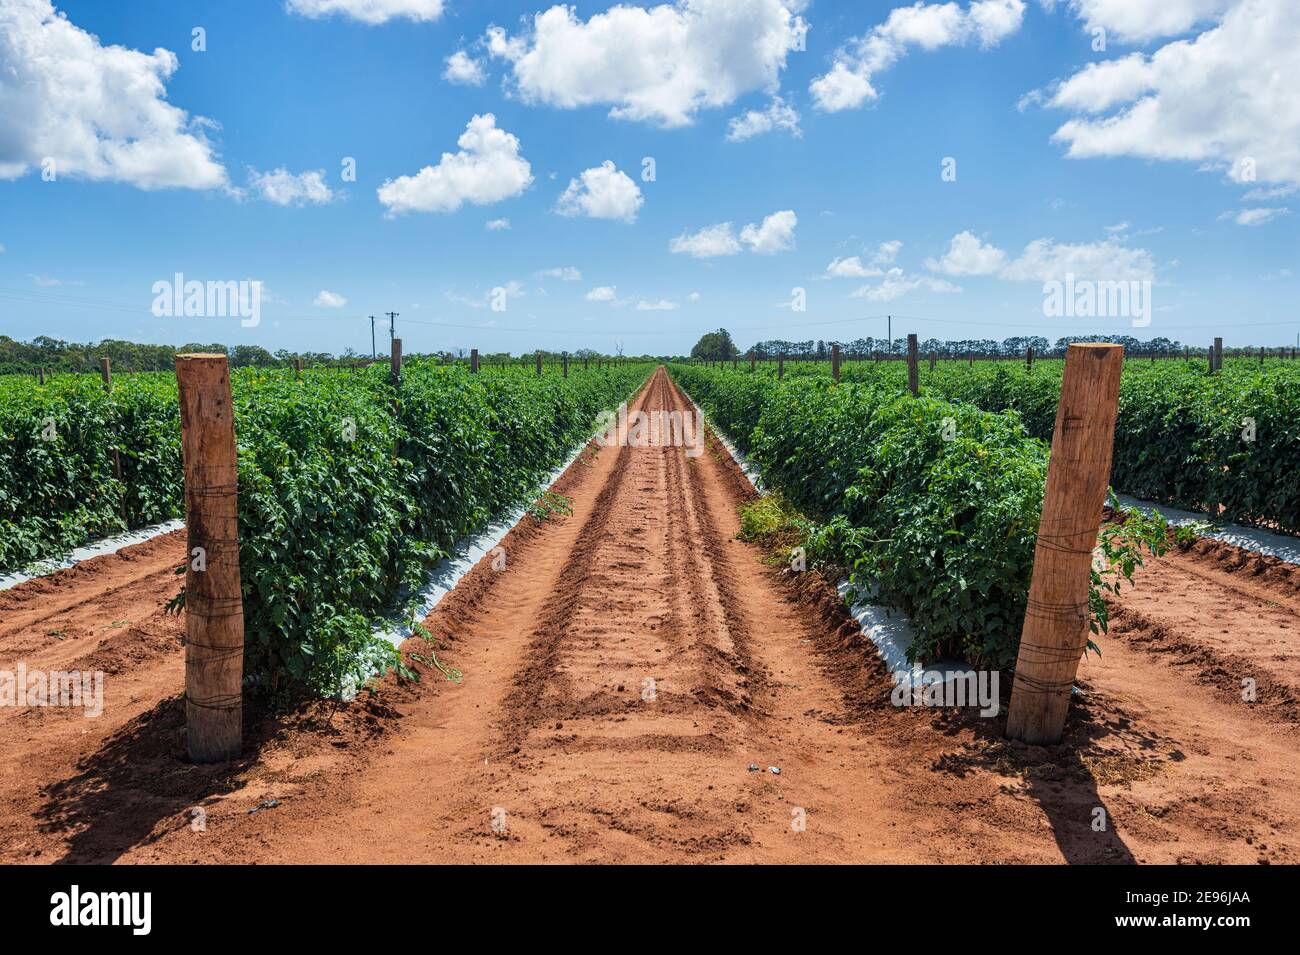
x=932, y=361
x=752, y=361
x=1056, y=628
x=537, y=357
x=395, y=363
x=835, y=361
x=780, y=366
x=214, y=610
x=1029, y=358
x=106, y=373
x=1218, y=354
x=473, y=361
x=913, y=373
x=42, y=376
x=565, y=360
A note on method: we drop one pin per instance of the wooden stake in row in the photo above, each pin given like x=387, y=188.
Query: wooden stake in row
x=913, y=372
x=106, y=373
x=214, y=609
x=1057, y=616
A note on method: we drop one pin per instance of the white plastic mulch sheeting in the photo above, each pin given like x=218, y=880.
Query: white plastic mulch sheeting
x=109, y=545
x=1247, y=538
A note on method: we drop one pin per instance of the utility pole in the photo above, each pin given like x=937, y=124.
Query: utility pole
x=372, y=338
x=392, y=325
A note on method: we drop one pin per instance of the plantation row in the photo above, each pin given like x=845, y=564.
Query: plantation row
x=932, y=505
x=1184, y=438
x=348, y=492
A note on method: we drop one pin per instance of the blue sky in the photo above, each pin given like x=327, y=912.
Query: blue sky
x=1184, y=130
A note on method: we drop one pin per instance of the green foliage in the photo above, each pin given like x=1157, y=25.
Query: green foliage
x=348, y=492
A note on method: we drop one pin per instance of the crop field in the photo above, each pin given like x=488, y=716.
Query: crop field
x=640, y=668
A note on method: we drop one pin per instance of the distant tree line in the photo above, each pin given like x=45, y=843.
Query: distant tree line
x=718, y=346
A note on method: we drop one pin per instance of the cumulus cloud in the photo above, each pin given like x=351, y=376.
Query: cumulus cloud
x=896, y=283
x=1224, y=99
x=1139, y=21
x=852, y=267
x=775, y=234
x=929, y=26
x=602, y=192
x=464, y=70
x=967, y=255
x=658, y=64
x=603, y=293
x=663, y=305
x=710, y=242
x=567, y=273
x=287, y=189
x=753, y=123
x=97, y=112
x=497, y=225
x=368, y=11
x=1044, y=260
x=327, y=299
x=487, y=169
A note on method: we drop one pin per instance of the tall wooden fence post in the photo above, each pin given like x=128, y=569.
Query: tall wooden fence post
x=395, y=363
x=913, y=372
x=1218, y=355
x=473, y=361
x=214, y=610
x=1057, y=616
x=835, y=361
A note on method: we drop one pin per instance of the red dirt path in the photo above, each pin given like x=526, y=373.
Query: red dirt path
x=550, y=733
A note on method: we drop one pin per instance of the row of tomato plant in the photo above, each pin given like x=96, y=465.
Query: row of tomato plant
x=348, y=491
x=932, y=505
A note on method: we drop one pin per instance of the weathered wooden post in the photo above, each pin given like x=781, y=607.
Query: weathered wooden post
x=42, y=375
x=565, y=361
x=1057, y=616
x=1218, y=354
x=835, y=361
x=214, y=610
x=780, y=366
x=932, y=361
x=1029, y=358
x=913, y=372
x=537, y=357
x=106, y=374
x=473, y=361
x=395, y=363
x=752, y=361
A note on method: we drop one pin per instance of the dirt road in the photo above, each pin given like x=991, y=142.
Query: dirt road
x=621, y=674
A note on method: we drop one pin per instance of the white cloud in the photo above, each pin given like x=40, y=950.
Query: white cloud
x=851, y=268
x=603, y=193
x=328, y=299
x=1117, y=228
x=897, y=283
x=368, y=11
x=1256, y=216
x=708, y=243
x=284, y=188
x=1272, y=192
x=49, y=281
x=660, y=64
x=464, y=70
x=776, y=234
x=488, y=168
x=967, y=255
x=663, y=305
x=929, y=26
x=497, y=225
x=693, y=297
x=1219, y=99
x=567, y=273
x=886, y=252
x=98, y=112
x=1138, y=21
x=1045, y=260
x=603, y=293
x=755, y=122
